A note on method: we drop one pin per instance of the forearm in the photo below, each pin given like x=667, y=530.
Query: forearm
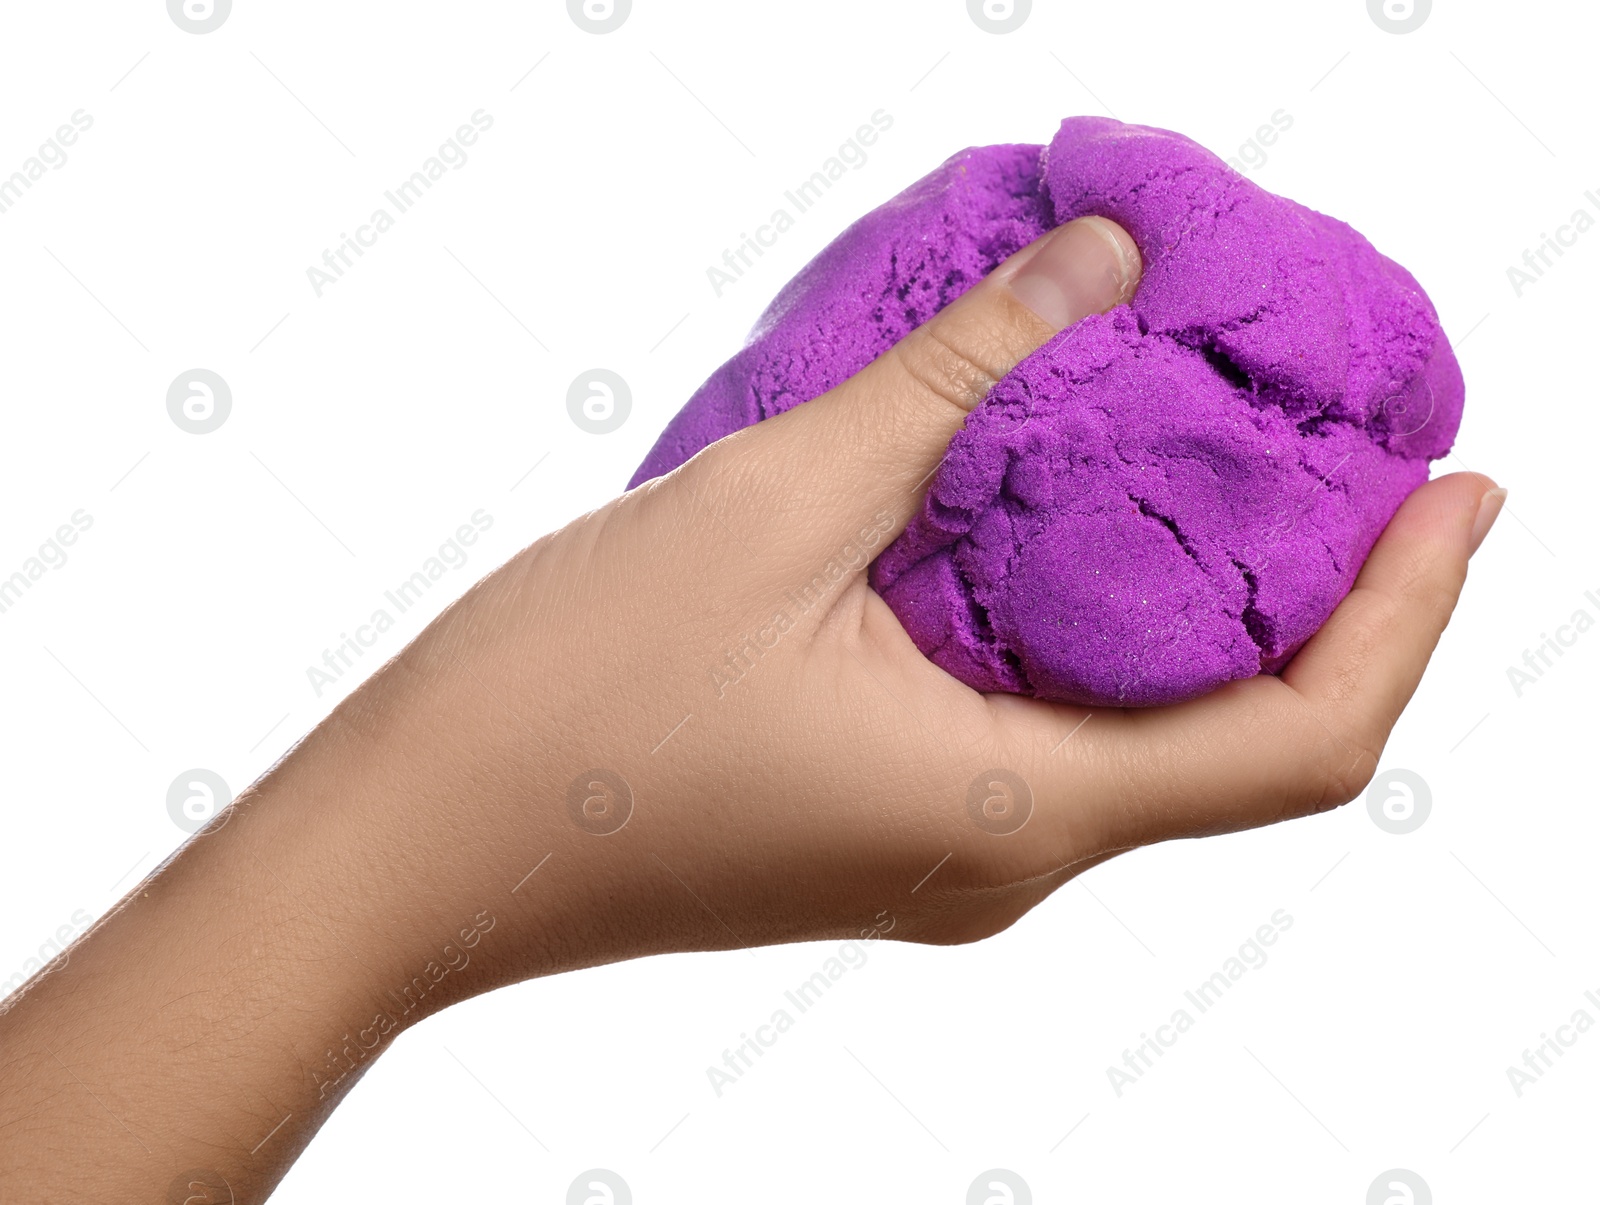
x=216, y=1017
x=416, y=849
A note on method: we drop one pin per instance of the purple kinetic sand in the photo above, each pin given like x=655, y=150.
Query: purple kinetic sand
x=1162, y=498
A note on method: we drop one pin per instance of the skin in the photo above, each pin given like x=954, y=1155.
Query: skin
x=418, y=847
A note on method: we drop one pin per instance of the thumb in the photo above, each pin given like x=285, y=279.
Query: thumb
x=838, y=462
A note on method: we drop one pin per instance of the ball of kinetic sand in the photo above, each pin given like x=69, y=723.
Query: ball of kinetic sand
x=1162, y=498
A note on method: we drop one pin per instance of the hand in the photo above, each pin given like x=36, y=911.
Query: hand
x=682, y=722
x=795, y=765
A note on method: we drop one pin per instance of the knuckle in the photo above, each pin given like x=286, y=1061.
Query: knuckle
x=944, y=367
x=726, y=498
x=1347, y=773
x=964, y=917
x=1339, y=759
x=1428, y=589
x=1437, y=599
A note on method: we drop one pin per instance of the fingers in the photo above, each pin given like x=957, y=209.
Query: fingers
x=859, y=452
x=1363, y=666
x=1267, y=749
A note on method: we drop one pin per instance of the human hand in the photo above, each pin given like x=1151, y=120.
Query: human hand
x=614, y=746
x=703, y=662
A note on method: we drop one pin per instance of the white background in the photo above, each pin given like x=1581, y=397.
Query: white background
x=369, y=423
